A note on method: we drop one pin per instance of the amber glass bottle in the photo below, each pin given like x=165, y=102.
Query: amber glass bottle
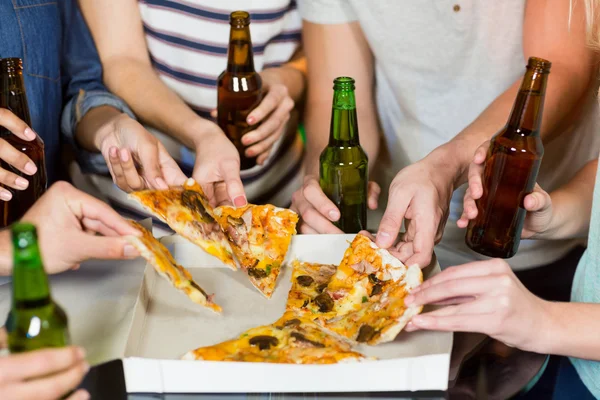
x=13, y=97
x=239, y=86
x=344, y=163
x=511, y=170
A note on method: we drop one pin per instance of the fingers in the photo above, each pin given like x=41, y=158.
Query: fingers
x=84, y=206
x=316, y=210
x=149, y=158
x=465, y=287
x=39, y=363
x=104, y=248
x=95, y=226
x=50, y=387
x=476, y=171
x=130, y=172
x=422, y=245
x=17, y=126
x=307, y=230
x=12, y=180
x=79, y=395
x=117, y=170
x=373, y=192
x=277, y=95
x=469, y=210
x=392, y=218
x=538, y=200
x=230, y=171
x=264, y=146
x=16, y=158
x=467, y=317
x=469, y=270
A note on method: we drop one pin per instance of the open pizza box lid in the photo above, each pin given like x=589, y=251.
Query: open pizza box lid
x=166, y=325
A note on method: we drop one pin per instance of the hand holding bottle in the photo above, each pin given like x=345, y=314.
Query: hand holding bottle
x=14, y=157
x=538, y=203
x=43, y=374
x=317, y=212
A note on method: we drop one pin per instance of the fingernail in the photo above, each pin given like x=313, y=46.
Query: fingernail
x=408, y=300
x=113, y=152
x=30, y=168
x=334, y=215
x=84, y=396
x=124, y=155
x=80, y=353
x=129, y=251
x=29, y=134
x=86, y=368
x=382, y=236
x=251, y=120
x=6, y=196
x=21, y=182
x=240, y=201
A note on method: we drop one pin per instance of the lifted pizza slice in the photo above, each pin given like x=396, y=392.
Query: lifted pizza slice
x=290, y=340
x=260, y=237
x=162, y=261
x=183, y=209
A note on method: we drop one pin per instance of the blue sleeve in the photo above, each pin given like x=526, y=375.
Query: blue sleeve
x=82, y=84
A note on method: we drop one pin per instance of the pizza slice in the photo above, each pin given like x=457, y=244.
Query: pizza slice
x=183, y=209
x=162, y=261
x=363, y=299
x=290, y=340
x=260, y=237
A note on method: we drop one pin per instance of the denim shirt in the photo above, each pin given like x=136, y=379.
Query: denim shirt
x=61, y=69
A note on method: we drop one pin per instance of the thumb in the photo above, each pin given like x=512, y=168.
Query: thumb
x=537, y=201
x=235, y=189
x=213, y=113
x=151, y=168
x=104, y=248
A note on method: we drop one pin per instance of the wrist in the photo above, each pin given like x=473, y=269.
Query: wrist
x=446, y=160
x=106, y=129
x=549, y=329
x=198, y=130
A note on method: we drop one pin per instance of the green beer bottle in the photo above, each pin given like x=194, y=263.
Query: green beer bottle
x=35, y=321
x=344, y=163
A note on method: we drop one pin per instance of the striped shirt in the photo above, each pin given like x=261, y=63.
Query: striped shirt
x=188, y=41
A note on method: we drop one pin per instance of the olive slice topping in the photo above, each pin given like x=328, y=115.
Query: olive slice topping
x=373, y=279
x=321, y=287
x=365, y=333
x=301, y=338
x=324, y=302
x=235, y=221
x=305, y=280
x=264, y=342
x=376, y=289
x=292, y=323
x=257, y=273
x=305, y=303
x=191, y=200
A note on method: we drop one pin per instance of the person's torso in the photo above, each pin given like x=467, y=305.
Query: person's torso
x=439, y=65
x=188, y=42
x=32, y=30
x=586, y=289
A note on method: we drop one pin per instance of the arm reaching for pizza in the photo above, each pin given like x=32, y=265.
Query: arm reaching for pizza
x=68, y=222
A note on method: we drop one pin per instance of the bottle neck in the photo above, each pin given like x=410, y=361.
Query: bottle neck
x=240, y=58
x=526, y=115
x=29, y=280
x=344, y=122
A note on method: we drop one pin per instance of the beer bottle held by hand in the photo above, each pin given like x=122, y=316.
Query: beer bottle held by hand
x=511, y=170
x=13, y=98
x=239, y=88
x=344, y=163
x=35, y=321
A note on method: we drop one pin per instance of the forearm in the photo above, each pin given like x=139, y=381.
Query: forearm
x=5, y=253
x=565, y=92
x=151, y=100
x=93, y=127
x=572, y=206
x=571, y=329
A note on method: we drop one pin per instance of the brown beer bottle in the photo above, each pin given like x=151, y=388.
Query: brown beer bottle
x=239, y=86
x=13, y=98
x=511, y=170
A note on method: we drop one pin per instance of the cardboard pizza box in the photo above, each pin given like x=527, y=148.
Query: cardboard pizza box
x=165, y=325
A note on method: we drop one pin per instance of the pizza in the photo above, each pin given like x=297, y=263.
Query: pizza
x=161, y=259
x=290, y=340
x=184, y=209
x=260, y=237
x=362, y=299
